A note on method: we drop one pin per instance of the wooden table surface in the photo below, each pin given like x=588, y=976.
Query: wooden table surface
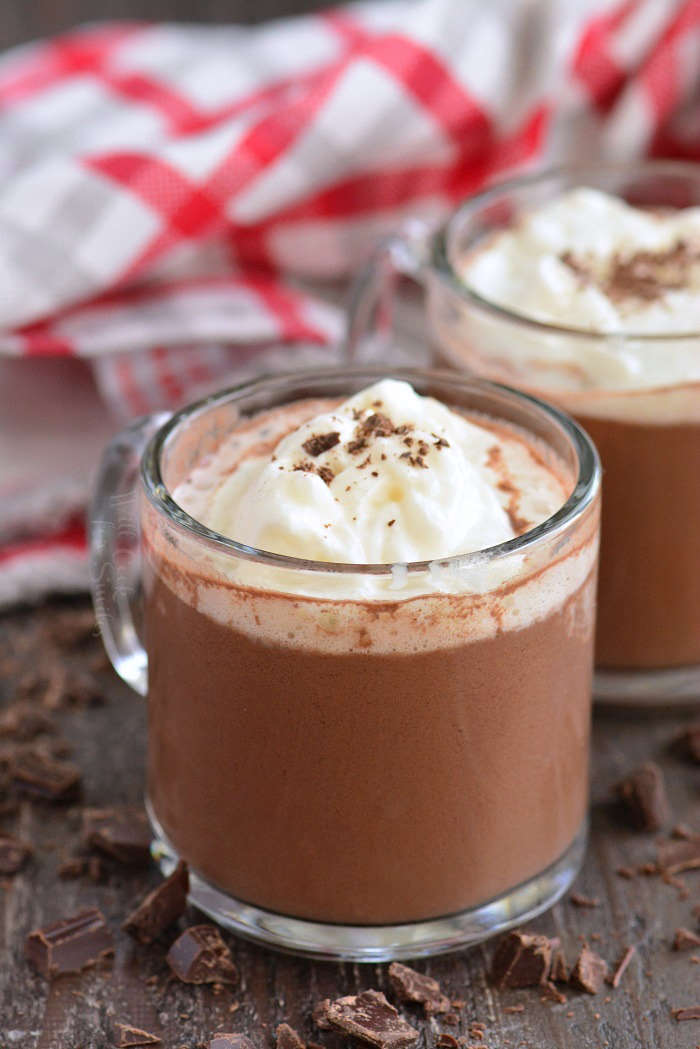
x=79, y=1012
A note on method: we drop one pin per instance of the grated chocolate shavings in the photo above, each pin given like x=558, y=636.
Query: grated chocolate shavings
x=319, y=443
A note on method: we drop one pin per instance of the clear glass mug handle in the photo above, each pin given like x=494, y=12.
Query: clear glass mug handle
x=114, y=549
x=370, y=309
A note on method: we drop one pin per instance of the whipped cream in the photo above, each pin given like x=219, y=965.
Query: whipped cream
x=388, y=476
x=590, y=261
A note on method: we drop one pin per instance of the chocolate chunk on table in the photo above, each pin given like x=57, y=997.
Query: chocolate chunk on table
x=643, y=795
x=13, y=854
x=690, y=1012
x=39, y=776
x=685, y=938
x=287, y=1038
x=128, y=1036
x=521, y=960
x=370, y=1017
x=69, y=944
x=589, y=971
x=621, y=966
x=122, y=833
x=677, y=856
x=320, y=1015
x=161, y=907
x=200, y=955
x=412, y=986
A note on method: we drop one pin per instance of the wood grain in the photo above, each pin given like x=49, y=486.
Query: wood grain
x=80, y=1011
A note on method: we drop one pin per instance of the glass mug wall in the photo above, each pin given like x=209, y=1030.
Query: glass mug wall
x=347, y=776
x=647, y=431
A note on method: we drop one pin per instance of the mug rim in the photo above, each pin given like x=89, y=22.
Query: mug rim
x=441, y=261
x=585, y=489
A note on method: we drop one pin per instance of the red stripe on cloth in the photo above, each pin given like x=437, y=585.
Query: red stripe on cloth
x=429, y=81
x=136, y=401
x=39, y=341
x=169, y=384
x=171, y=105
x=594, y=65
x=661, y=75
x=345, y=27
x=79, y=52
x=285, y=306
x=72, y=538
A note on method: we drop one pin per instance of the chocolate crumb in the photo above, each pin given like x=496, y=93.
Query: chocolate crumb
x=377, y=424
x=369, y=1017
x=446, y=1041
x=626, y=872
x=643, y=794
x=514, y=1009
x=13, y=854
x=412, y=986
x=451, y=1019
x=621, y=966
x=588, y=972
x=356, y=446
x=579, y=900
x=325, y=473
x=685, y=938
x=521, y=960
x=391, y=523
x=287, y=1038
x=70, y=944
x=129, y=1036
x=160, y=908
x=199, y=955
x=317, y=444
x=691, y=1012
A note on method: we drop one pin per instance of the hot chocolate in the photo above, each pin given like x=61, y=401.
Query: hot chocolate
x=609, y=296
x=371, y=745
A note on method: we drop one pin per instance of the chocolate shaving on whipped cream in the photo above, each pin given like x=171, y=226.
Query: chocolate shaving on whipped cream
x=644, y=275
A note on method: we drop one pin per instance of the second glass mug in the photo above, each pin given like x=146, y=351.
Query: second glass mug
x=355, y=778
x=648, y=620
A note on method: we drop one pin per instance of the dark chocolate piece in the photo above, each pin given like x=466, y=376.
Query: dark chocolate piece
x=579, y=900
x=691, y=1012
x=451, y=1019
x=70, y=944
x=129, y=1036
x=685, y=938
x=38, y=775
x=370, y=1017
x=287, y=1038
x=160, y=908
x=122, y=833
x=13, y=854
x=199, y=955
x=320, y=1015
x=621, y=966
x=676, y=856
x=521, y=960
x=230, y=1041
x=411, y=986
x=589, y=971
x=24, y=722
x=447, y=1041
x=319, y=443
x=643, y=794
x=688, y=741
x=559, y=971
x=514, y=1008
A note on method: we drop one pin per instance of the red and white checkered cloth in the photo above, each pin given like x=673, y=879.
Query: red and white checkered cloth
x=168, y=191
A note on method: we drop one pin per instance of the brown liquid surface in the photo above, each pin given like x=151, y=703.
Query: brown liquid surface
x=367, y=787
x=649, y=577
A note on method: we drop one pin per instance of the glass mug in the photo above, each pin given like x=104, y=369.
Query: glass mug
x=648, y=620
x=354, y=778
